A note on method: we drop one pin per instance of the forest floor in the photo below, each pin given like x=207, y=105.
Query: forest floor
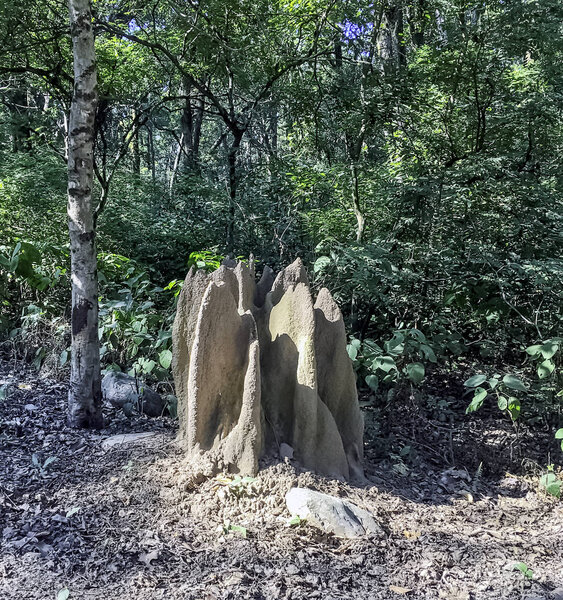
x=459, y=505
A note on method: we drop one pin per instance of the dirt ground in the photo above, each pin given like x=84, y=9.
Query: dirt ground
x=458, y=500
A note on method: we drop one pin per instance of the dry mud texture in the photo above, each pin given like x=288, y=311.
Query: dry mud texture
x=136, y=523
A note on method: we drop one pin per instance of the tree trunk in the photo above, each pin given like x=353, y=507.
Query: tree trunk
x=361, y=220
x=136, y=155
x=192, y=119
x=233, y=184
x=150, y=153
x=85, y=395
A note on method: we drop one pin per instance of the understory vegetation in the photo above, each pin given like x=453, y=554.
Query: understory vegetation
x=408, y=152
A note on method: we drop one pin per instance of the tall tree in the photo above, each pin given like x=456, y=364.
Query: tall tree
x=85, y=394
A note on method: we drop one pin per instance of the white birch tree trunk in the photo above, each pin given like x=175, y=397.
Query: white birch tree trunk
x=85, y=396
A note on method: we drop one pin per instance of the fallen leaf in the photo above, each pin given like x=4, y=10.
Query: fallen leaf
x=147, y=557
x=411, y=535
x=63, y=594
x=399, y=590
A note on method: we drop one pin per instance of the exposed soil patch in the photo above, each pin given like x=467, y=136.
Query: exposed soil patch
x=134, y=522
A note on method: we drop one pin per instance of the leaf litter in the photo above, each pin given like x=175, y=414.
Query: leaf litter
x=140, y=521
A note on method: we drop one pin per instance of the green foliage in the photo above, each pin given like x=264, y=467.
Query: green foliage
x=42, y=466
x=527, y=573
x=550, y=483
x=501, y=389
x=135, y=318
x=401, y=358
x=205, y=259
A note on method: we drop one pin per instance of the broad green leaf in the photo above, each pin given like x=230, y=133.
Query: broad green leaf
x=415, y=372
x=523, y=568
x=551, y=484
x=545, y=369
x=321, y=263
x=478, y=399
x=554, y=489
x=429, y=354
x=549, y=348
x=514, y=383
x=372, y=381
x=385, y=363
x=514, y=407
x=63, y=594
x=396, y=344
x=559, y=434
x=352, y=351
x=475, y=381
x=502, y=403
x=533, y=350
x=493, y=382
x=165, y=358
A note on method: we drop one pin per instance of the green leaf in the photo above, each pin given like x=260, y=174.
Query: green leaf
x=63, y=594
x=415, y=372
x=373, y=382
x=549, y=348
x=493, y=382
x=165, y=359
x=429, y=354
x=523, y=568
x=545, y=369
x=475, y=381
x=533, y=350
x=352, y=351
x=559, y=434
x=321, y=263
x=396, y=344
x=514, y=407
x=502, y=403
x=385, y=363
x=514, y=383
x=551, y=484
x=237, y=529
x=478, y=399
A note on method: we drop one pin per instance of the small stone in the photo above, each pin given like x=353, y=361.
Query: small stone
x=123, y=391
x=332, y=515
x=126, y=439
x=286, y=451
x=30, y=408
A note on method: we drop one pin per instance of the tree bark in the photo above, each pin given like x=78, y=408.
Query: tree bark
x=136, y=155
x=192, y=119
x=85, y=395
x=360, y=218
x=233, y=185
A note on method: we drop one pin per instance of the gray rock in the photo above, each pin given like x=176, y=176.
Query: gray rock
x=330, y=514
x=557, y=593
x=286, y=451
x=127, y=439
x=120, y=390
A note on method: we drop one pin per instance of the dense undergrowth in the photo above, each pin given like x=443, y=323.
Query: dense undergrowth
x=485, y=317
